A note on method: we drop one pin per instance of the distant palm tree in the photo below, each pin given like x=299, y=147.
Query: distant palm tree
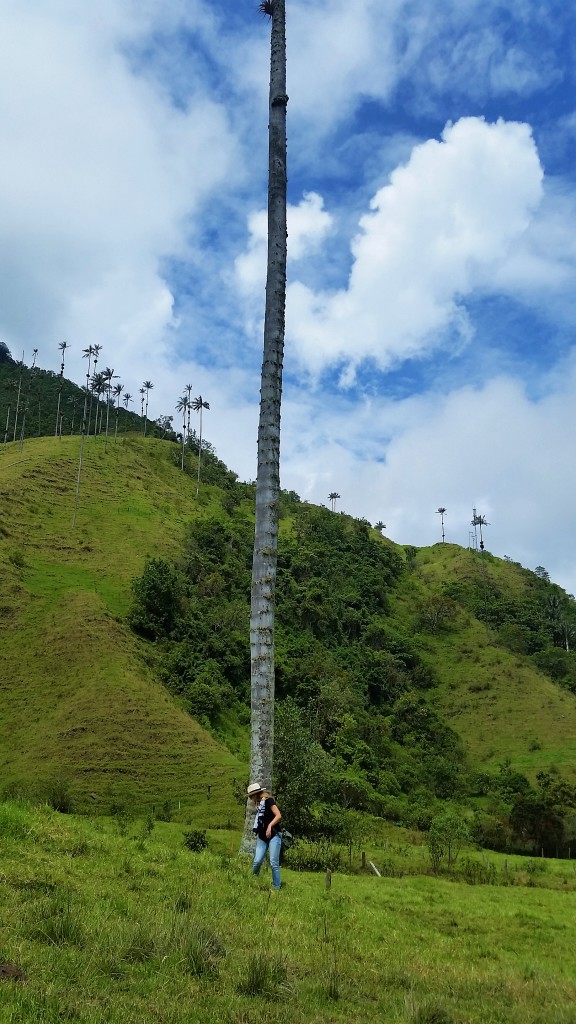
x=333, y=498
x=118, y=389
x=96, y=350
x=380, y=526
x=183, y=406
x=108, y=375
x=27, y=399
x=478, y=520
x=7, y=425
x=127, y=399
x=188, y=390
x=142, y=400
x=62, y=345
x=87, y=353
x=20, y=363
x=147, y=385
x=441, y=512
x=198, y=404
x=73, y=402
x=99, y=387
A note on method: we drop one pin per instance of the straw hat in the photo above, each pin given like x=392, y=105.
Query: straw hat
x=254, y=788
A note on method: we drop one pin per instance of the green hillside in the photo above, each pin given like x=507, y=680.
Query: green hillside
x=496, y=698
x=403, y=675
x=78, y=700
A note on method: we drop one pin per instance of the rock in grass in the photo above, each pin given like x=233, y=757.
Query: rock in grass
x=11, y=972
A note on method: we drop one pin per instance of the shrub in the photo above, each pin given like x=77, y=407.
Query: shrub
x=195, y=840
x=448, y=832
x=477, y=872
x=314, y=856
x=58, y=796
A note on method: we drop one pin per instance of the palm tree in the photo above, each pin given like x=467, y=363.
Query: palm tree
x=108, y=375
x=21, y=365
x=198, y=405
x=441, y=512
x=118, y=389
x=147, y=385
x=268, y=470
x=96, y=349
x=127, y=399
x=27, y=399
x=62, y=345
x=333, y=498
x=478, y=520
x=188, y=390
x=7, y=425
x=73, y=401
x=99, y=386
x=142, y=394
x=183, y=406
x=380, y=526
x=87, y=353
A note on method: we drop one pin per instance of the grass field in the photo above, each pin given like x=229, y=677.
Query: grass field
x=80, y=701
x=115, y=922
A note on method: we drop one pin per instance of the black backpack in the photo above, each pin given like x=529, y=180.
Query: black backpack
x=287, y=838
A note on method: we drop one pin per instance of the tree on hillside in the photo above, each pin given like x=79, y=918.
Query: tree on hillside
x=5, y=356
x=27, y=398
x=62, y=345
x=441, y=511
x=87, y=353
x=118, y=389
x=98, y=386
x=198, y=405
x=380, y=526
x=188, y=390
x=333, y=498
x=183, y=406
x=147, y=385
x=479, y=520
x=20, y=363
x=96, y=350
x=127, y=399
x=109, y=376
x=268, y=470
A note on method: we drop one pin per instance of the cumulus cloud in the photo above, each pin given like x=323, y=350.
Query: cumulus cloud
x=100, y=176
x=444, y=223
x=308, y=224
x=492, y=447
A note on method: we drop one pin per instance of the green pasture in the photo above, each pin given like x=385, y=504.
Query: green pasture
x=114, y=921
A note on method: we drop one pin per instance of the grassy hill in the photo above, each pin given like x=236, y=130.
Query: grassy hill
x=107, y=922
x=81, y=702
x=495, y=698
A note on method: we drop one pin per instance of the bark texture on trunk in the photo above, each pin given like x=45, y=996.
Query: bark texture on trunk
x=268, y=472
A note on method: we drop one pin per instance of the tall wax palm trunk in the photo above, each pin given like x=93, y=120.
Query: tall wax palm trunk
x=268, y=471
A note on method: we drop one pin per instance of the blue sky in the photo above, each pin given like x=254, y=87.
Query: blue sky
x=432, y=240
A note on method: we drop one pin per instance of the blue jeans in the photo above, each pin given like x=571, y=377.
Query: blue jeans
x=273, y=848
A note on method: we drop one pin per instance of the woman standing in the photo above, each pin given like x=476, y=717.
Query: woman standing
x=268, y=838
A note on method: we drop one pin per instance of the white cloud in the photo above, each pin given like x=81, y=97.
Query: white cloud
x=99, y=178
x=492, y=447
x=446, y=221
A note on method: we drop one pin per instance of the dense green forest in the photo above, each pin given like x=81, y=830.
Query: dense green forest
x=42, y=403
x=358, y=727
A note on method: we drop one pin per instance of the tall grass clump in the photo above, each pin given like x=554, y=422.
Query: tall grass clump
x=14, y=821
x=264, y=972
x=57, y=922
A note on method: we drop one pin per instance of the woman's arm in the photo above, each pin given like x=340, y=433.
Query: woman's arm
x=277, y=817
